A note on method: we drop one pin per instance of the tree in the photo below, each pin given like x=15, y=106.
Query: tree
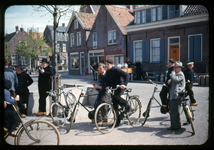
x=7, y=51
x=32, y=46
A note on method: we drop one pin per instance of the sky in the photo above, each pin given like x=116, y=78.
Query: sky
x=26, y=17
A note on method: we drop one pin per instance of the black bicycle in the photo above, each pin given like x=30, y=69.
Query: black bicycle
x=187, y=108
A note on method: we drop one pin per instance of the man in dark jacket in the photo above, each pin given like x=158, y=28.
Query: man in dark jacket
x=44, y=84
x=115, y=77
x=22, y=90
x=189, y=76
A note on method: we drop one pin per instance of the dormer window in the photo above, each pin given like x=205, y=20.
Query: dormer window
x=75, y=24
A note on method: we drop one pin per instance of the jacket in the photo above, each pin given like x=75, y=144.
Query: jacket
x=177, y=85
x=45, y=78
x=24, y=81
x=11, y=75
x=114, y=76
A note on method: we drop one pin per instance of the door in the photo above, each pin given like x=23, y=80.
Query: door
x=174, y=52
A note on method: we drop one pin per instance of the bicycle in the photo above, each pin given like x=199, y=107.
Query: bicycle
x=187, y=109
x=35, y=132
x=76, y=106
x=59, y=112
x=105, y=115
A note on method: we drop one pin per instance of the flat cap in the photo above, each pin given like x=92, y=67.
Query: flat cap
x=190, y=63
x=109, y=61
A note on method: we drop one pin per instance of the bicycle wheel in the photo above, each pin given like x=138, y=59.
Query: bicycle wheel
x=105, y=118
x=189, y=118
x=45, y=132
x=58, y=114
x=146, y=113
x=73, y=115
x=71, y=99
x=135, y=110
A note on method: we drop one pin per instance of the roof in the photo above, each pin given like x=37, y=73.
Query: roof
x=194, y=10
x=60, y=28
x=121, y=15
x=95, y=8
x=9, y=36
x=60, y=34
x=86, y=19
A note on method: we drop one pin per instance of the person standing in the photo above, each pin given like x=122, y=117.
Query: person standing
x=94, y=69
x=138, y=69
x=178, y=83
x=22, y=90
x=10, y=75
x=189, y=76
x=128, y=62
x=165, y=89
x=44, y=84
x=115, y=77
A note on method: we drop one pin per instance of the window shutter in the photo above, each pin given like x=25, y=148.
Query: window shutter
x=171, y=11
x=145, y=49
x=19, y=60
x=164, y=12
x=131, y=51
x=191, y=48
x=162, y=50
x=197, y=48
x=148, y=15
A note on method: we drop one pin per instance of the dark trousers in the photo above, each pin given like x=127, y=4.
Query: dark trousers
x=163, y=95
x=95, y=75
x=23, y=100
x=190, y=91
x=175, y=105
x=42, y=97
x=101, y=98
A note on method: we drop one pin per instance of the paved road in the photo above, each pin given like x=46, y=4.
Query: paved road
x=154, y=132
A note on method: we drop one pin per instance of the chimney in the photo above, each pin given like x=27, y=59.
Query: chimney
x=21, y=29
x=63, y=24
x=17, y=28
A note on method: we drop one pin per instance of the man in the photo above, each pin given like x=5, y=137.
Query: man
x=165, y=89
x=44, y=84
x=189, y=76
x=103, y=95
x=128, y=62
x=10, y=75
x=178, y=83
x=115, y=77
x=94, y=69
x=22, y=90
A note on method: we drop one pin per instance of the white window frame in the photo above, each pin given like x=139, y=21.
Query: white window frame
x=13, y=58
x=154, y=14
x=134, y=59
x=94, y=42
x=201, y=46
x=23, y=60
x=79, y=38
x=57, y=47
x=138, y=17
x=159, y=14
x=64, y=47
x=72, y=39
x=174, y=37
x=75, y=24
x=151, y=60
x=75, y=53
x=112, y=36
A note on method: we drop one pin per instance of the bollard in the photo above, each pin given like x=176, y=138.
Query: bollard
x=162, y=78
x=207, y=80
x=202, y=80
x=156, y=77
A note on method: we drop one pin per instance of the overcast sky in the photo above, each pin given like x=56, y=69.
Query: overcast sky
x=26, y=17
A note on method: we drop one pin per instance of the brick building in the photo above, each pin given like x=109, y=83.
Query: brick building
x=160, y=32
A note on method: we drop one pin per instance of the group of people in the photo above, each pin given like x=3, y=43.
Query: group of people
x=16, y=91
x=177, y=82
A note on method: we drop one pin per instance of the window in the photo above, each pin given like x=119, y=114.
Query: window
x=159, y=13
x=57, y=47
x=63, y=47
x=137, y=51
x=72, y=39
x=23, y=60
x=111, y=37
x=138, y=17
x=78, y=38
x=174, y=11
x=148, y=15
x=75, y=24
x=164, y=12
x=94, y=40
x=74, y=60
x=195, y=47
x=155, y=50
x=153, y=14
x=14, y=60
x=143, y=16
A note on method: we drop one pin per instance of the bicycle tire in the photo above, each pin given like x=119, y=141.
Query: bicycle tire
x=146, y=113
x=71, y=99
x=58, y=114
x=105, y=118
x=45, y=131
x=134, y=115
x=73, y=115
x=189, y=119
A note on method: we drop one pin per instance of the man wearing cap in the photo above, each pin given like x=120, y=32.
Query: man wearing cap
x=115, y=77
x=22, y=90
x=10, y=75
x=44, y=84
x=189, y=76
x=165, y=89
x=178, y=83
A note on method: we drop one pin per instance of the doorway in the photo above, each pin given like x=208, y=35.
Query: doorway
x=174, y=48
